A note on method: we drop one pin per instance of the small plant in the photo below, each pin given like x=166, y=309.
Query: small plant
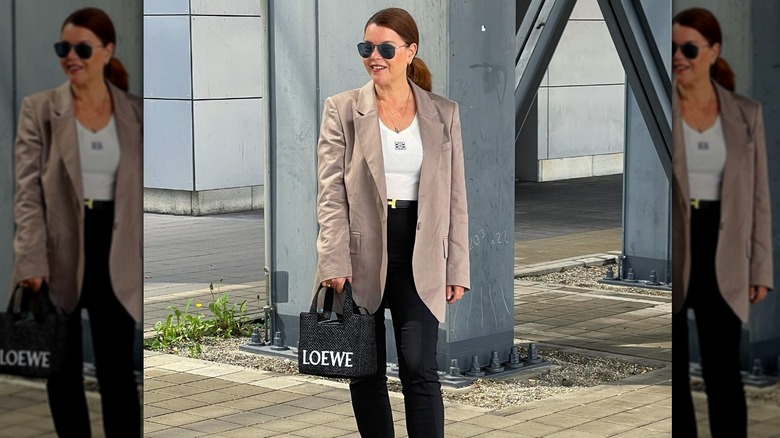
x=180, y=327
x=184, y=329
x=229, y=319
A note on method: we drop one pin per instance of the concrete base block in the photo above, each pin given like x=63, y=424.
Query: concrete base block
x=580, y=167
x=205, y=202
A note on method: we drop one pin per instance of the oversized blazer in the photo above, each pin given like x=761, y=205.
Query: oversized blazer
x=744, y=252
x=49, y=202
x=352, y=199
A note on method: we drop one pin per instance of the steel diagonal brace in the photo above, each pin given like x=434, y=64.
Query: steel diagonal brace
x=645, y=70
x=536, y=39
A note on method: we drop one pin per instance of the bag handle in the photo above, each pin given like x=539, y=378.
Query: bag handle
x=23, y=298
x=327, y=307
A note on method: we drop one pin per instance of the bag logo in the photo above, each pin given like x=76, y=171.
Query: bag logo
x=24, y=358
x=328, y=358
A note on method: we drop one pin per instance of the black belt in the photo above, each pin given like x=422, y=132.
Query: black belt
x=398, y=203
x=95, y=204
x=700, y=204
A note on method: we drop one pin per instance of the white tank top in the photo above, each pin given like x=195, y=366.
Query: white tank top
x=403, y=155
x=99, y=152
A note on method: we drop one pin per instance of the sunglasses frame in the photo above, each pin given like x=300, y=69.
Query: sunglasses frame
x=83, y=50
x=380, y=48
x=689, y=50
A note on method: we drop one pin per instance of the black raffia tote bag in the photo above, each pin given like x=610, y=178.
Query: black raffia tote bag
x=344, y=347
x=32, y=334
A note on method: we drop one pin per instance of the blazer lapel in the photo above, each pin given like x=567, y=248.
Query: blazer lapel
x=433, y=139
x=735, y=135
x=64, y=144
x=367, y=138
x=679, y=158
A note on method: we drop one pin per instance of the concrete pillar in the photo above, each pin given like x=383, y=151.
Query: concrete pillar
x=469, y=47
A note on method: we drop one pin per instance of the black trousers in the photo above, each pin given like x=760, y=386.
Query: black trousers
x=113, y=337
x=719, y=330
x=416, y=334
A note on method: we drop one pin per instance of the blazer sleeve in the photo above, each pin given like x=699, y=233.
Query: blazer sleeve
x=30, y=238
x=458, y=267
x=761, y=266
x=333, y=257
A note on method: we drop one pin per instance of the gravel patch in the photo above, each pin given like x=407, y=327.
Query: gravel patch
x=568, y=372
x=589, y=277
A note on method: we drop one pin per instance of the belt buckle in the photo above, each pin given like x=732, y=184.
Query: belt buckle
x=391, y=203
x=90, y=203
x=695, y=203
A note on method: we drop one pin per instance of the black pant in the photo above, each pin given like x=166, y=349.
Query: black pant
x=113, y=336
x=416, y=334
x=718, y=329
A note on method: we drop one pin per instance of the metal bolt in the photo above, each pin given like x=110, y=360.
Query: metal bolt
x=476, y=369
x=631, y=276
x=654, y=278
x=514, y=359
x=532, y=355
x=495, y=364
x=454, y=370
x=255, y=340
x=610, y=275
x=278, y=344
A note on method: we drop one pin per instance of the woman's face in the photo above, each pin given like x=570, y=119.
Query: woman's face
x=692, y=70
x=79, y=70
x=387, y=71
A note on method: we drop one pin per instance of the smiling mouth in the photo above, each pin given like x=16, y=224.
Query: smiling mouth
x=377, y=67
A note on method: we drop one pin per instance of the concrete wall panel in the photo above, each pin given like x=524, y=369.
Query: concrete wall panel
x=229, y=139
x=232, y=65
x=586, y=120
x=167, y=67
x=585, y=56
x=166, y=7
x=168, y=144
x=227, y=7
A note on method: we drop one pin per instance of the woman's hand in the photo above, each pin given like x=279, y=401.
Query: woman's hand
x=337, y=283
x=34, y=283
x=454, y=293
x=757, y=293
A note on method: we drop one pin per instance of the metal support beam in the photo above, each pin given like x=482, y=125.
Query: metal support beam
x=536, y=39
x=645, y=70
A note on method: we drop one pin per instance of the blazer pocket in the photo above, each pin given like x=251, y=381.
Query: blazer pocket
x=354, y=243
x=446, y=242
x=446, y=146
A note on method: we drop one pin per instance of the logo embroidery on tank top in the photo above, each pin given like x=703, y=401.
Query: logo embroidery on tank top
x=97, y=145
x=400, y=145
x=704, y=146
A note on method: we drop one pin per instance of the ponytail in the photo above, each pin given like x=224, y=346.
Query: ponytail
x=115, y=73
x=418, y=72
x=721, y=72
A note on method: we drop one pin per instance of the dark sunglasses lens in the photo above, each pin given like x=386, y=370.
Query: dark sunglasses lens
x=62, y=49
x=365, y=49
x=84, y=51
x=386, y=51
x=690, y=51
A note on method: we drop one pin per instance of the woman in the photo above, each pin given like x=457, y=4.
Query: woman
x=78, y=214
x=721, y=222
x=393, y=217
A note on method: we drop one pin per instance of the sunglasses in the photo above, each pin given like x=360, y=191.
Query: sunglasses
x=689, y=50
x=385, y=50
x=83, y=50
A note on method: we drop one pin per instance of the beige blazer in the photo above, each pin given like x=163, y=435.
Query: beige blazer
x=49, y=203
x=352, y=200
x=744, y=254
